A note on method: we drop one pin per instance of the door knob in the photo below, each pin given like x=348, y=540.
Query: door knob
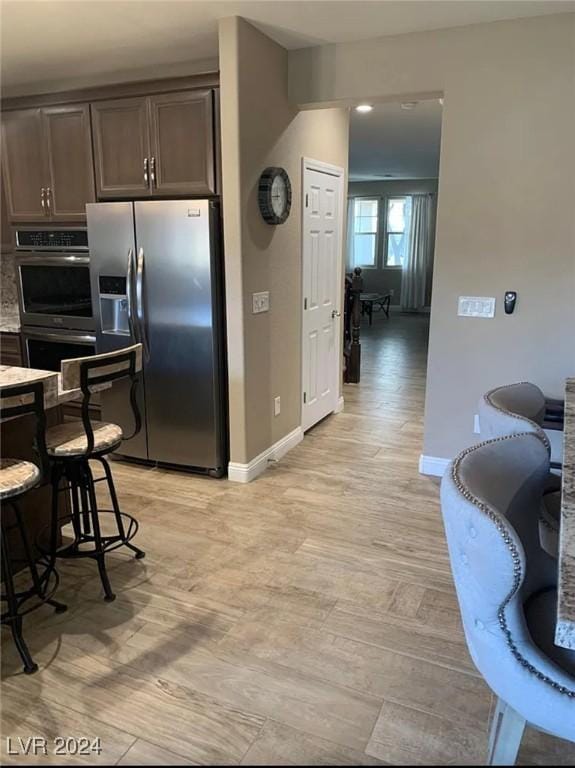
x=335, y=313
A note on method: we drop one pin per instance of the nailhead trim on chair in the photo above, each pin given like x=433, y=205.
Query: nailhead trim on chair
x=517, y=574
x=540, y=433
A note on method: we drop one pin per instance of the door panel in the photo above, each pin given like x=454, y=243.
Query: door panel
x=112, y=242
x=69, y=152
x=182, y=143
x=121, y=146
x=321, y=296
x=24, y=164
x=173, y=241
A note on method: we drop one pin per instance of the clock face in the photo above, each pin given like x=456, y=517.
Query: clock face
x=279, y=195
x=274, y=195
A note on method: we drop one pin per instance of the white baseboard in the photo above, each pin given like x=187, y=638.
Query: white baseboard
x=433, y=465
x=340, y=405
x=245, y=473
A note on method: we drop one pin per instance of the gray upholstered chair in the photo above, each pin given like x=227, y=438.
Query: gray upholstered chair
x=506, y=588
x=516, y=408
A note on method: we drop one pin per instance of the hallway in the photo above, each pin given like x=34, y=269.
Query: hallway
x=306, y=618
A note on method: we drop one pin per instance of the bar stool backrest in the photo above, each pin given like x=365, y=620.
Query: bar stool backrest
x=93, y=372
x=513, y=409
x=27, y=400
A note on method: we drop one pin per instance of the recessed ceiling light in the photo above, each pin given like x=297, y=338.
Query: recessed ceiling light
x=363, y=108
x=408, y=104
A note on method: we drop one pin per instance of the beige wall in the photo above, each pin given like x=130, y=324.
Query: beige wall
x=388, y=278
x=261, y=128
x=506, y=196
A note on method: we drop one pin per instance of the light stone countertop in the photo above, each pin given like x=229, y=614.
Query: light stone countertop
x=565, y=629
x=53, y=393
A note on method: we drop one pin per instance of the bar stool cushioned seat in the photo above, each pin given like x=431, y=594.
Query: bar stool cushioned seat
x=17, y=476
x=541, y=614
x=70, y=439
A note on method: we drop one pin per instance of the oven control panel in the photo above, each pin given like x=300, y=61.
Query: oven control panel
x=52, y=239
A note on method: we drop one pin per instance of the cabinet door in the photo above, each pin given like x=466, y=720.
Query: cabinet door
x=69, y=152
x=24, y=165
x=182, y=141
x=121, y=147
x=6, y=243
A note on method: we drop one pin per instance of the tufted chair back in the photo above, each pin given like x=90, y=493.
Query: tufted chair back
x=490, y=498
x=512, y=409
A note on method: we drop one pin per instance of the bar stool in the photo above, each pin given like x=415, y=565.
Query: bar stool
x=515, y=409
x=71, y=447
x=16, y=478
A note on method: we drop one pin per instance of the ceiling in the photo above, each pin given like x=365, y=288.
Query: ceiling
x=393, y=141
x=53, y=44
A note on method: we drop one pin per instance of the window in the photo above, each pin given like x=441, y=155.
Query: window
x=397, y=231
x=365, y=218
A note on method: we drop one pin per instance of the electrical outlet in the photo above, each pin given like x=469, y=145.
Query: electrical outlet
x=260, y=302
x=277, y=406
x=476, y=427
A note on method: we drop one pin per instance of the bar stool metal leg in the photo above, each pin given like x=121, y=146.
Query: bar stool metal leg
x=13, y=618
x=120, y=523
x=100, y=555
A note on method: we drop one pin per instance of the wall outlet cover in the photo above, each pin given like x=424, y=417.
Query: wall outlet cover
x=476, y=427
x=476, y=306
x=260, y=302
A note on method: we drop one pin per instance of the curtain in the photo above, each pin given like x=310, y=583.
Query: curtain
x=350, y=256
x=418, y=267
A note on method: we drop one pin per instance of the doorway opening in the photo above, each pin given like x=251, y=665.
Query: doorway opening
x=394, y=152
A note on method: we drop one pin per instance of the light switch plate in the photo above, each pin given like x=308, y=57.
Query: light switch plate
x=260, y=302
x=277, y=406
x=476, y=306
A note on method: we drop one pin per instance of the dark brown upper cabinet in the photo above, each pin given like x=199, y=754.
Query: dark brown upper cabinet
x=155, y=146
x=121, y=147
x=47, y=163
x=24, y=165
x=67, y=132
x=182, y=143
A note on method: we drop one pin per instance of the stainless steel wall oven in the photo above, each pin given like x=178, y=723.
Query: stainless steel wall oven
x=53, y=277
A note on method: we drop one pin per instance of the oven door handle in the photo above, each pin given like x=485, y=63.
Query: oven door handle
x=129, y=296
x=64, y=336
x=140, y=304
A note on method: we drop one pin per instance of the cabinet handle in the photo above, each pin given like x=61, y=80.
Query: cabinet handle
x=152, y=172
x=49, y=200
x=146, y=171
x=43, y=200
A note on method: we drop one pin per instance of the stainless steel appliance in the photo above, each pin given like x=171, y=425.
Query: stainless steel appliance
x=53, y=271
x=45, y=349
x=156, y=278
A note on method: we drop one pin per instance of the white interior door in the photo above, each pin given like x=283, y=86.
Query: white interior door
x=322, y=222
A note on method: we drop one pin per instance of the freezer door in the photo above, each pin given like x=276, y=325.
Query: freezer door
x=112, y=247
x=178, y=317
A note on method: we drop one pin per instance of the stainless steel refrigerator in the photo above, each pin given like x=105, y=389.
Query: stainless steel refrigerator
x=156, y=277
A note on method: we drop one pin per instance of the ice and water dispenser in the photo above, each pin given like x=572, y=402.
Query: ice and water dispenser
x=114, y=306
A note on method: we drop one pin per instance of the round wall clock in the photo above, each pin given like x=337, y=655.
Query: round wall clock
x=274, y=195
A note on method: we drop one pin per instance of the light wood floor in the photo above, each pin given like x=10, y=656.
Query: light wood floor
x=307, y=618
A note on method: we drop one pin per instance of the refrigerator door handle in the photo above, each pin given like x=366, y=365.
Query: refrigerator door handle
x=140, y=304
x=129, y=296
